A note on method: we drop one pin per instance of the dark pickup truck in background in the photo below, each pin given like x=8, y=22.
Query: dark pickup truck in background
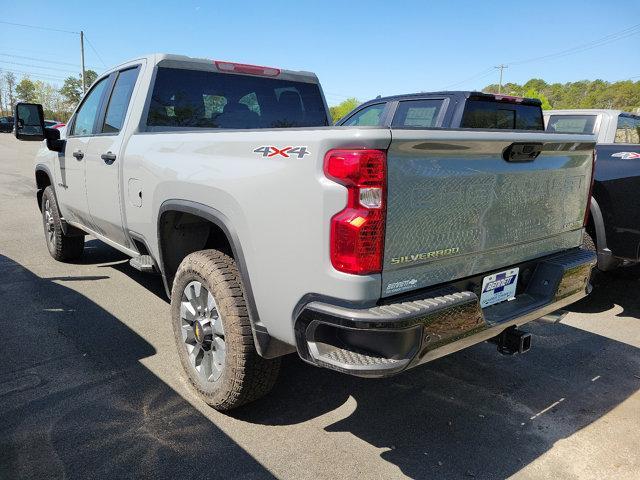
x=454, y=109
x=6, y=124
x=613, y=226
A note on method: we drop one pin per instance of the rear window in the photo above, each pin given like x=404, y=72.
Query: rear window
x=200, y=99
x=417, y=113
x=571, y=123
x=482, y=113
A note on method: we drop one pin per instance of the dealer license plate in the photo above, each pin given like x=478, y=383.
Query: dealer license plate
x=499, y=287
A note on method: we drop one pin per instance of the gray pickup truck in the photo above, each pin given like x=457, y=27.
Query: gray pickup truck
x=368, y=250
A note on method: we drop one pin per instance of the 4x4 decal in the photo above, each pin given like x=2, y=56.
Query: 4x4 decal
x=286, y=152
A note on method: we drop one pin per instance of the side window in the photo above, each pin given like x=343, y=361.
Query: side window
x=367, y=117
x=119, y=101
x=628, y=130
x=86, y=116
x=571, y=123
x=417, y=113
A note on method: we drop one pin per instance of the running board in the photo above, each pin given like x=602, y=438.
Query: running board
x=143, y=263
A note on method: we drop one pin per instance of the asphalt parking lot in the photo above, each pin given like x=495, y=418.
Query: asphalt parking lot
x=91, y=387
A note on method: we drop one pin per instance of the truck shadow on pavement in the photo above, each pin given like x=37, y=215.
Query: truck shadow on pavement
x=473, y=414
x=617, y=287
x=75, y=401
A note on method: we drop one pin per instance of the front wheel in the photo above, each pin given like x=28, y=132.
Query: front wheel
x=213, y=333
x=63, y=248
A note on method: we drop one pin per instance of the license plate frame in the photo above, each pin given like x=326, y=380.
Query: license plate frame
x=499, y=287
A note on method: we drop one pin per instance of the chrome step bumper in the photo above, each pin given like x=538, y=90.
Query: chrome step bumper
x=388, y=338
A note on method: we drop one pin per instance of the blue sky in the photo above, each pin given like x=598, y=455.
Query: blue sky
x=358, y=48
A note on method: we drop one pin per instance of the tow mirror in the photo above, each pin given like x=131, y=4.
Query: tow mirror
x=29, y=122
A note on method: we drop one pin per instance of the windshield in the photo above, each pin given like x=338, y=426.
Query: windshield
x=204, y=99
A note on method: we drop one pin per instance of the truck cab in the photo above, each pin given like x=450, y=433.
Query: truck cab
x=449, y=109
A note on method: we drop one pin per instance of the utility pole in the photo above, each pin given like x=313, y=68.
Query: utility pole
x=501, y=67
x=84, y=82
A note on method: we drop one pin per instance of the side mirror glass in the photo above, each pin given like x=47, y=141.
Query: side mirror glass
x=29, y=122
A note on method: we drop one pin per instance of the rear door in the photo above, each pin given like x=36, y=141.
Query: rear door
x=456, y=207
x=70, y=167
x=103, y=158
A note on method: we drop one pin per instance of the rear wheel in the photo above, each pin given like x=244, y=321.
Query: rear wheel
x=213, y=333
x=62, y=247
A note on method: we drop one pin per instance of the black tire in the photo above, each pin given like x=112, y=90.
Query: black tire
x=244, y=375
x=63, y=248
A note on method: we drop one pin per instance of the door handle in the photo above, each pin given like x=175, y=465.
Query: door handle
x=78, y=154
x=108, y=157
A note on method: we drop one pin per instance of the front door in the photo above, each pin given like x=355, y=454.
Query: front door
x=104, y=162
x=70, y=165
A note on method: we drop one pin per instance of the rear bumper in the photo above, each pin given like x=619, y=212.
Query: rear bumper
x=389, y=338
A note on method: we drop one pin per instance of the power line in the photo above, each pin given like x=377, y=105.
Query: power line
x=479, y=75
x=38, y=59
x=80, y=33
x=612, y=37
x=39, y=28
x=38, y=66
x=33, y=74
x=94, y=50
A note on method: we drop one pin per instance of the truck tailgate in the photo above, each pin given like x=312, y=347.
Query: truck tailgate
x=457, y=208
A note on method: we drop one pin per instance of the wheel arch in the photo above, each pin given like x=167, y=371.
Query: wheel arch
x=595, y=226
x=266, y=345
x=597, y=221
x=44, y=179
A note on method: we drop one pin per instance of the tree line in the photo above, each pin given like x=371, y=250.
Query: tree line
x=57, y=103
x=622, y=95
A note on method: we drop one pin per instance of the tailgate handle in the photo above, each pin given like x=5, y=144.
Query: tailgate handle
x=522, y=152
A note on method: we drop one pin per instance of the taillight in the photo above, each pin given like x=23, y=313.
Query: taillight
x=244, y=68
x=357, y=232
x=593, y=172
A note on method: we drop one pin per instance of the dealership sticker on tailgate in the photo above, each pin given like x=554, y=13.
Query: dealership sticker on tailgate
x=499, y=287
